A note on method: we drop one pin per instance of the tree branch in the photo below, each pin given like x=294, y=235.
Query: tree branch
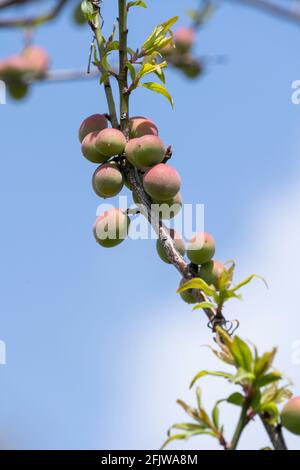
x=34, y=20
x=123, y=71
x=272, y=8
x=275, y=435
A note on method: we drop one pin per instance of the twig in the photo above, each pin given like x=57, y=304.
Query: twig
x=272, y=8
x=275, y=435
x=64, y=76
x=96, y=28
x=34, y=20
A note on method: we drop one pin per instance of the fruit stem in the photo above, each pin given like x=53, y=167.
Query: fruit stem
x=123, y=70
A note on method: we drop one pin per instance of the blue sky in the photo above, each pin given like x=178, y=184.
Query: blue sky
x=98, y=344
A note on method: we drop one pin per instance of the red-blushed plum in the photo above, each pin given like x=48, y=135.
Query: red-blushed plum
x=111, y=228
x=179, y=245
x=211, y=272
x=169, y=209
x=290, y=415
x=93, y=123
x=184, y=39
x=107, y=180
x=201, y=248
x=36, y=60
x=145, y=151
x=140, y=126
x=110, y=142
x=162, y=182
x=89, y=151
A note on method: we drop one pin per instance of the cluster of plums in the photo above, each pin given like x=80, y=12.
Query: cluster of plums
x=179, y=52
x=200, y=251
x=146, y=151
x=32, y=62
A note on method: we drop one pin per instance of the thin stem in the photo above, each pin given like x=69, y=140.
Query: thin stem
x=96, y=28
x=242, y=423
x=272, y=8
x=123, y=71
x=34, y=20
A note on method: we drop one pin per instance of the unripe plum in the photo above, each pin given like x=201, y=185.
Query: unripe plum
x=89, y=150
x=290, y=415
x=111, y=228
x=187, y=295
x=201, y=248
x=93, y=123
x=211, y=272
x=145, y=151
x=107, y=180
x=12, y=68
x=184, y=39
x=17, y=90
x=110, y=142
x=169, y=209
x=161, y=182
x=179, y=245
x=78, y=15
x=140, y=126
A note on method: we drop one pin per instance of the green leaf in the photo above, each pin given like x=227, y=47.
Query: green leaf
x=263, y=363
x=242, y=377
x=236, y=399
x=153, y=42
x=203, y=305
x=272, y=411
x=242, y=354
x=158, y=88
x=112, y=46
x=216, y=416
x=197, y=283
x=132, y=70
x=204, y=373
x=191, y=427
x=175, y=437
x=268, y=379
x=138, y=3
x=246, y=281
x=150, y=68
x=192, y=412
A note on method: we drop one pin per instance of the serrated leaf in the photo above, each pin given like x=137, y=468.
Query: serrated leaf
x=197, y=283
x=137, y=3
x=204, y=305
x=204, y=373
x=158, y=88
